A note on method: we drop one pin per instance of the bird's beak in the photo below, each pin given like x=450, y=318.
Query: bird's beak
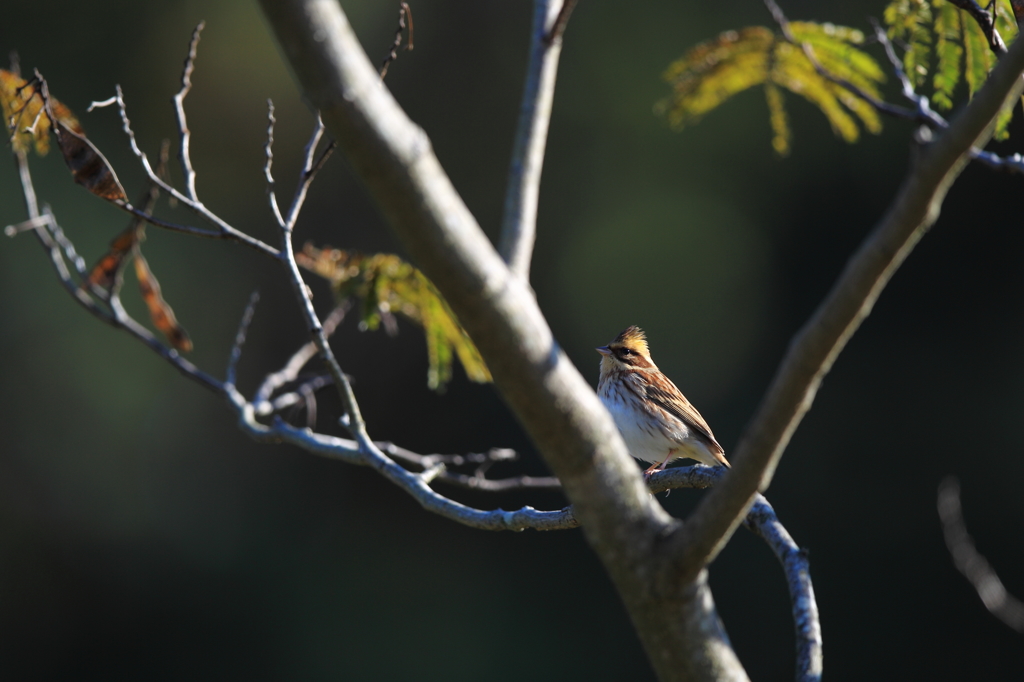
x=603, y=350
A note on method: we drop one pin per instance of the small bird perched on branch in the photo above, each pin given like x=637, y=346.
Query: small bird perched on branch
x=657, y=422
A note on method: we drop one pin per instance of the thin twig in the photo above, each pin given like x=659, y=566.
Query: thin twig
x=298, y=360
x=403, y=12
x=519, y=223
x=292, y=398
x=116, y=317
x=309, y=170
x=243, y=329
x=269, y=149
x=478, y=480
x=971, y=563
x=179, y=111
x=223, y=231
x=49, y=221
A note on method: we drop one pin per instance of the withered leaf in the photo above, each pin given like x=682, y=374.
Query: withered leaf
x=104, y=273
x=89, y=167
x=159, y=311
x=30, y=114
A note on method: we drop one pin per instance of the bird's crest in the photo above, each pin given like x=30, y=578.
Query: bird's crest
x=632, y=338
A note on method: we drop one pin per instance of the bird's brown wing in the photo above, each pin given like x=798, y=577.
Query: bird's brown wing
x=671, y=399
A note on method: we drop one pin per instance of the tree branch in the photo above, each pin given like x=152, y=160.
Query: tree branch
x=971, y=563
x=819, y=342
x=763, y=522
x=519, y=224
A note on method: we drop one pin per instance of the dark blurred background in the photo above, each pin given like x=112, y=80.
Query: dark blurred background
x=143, y=537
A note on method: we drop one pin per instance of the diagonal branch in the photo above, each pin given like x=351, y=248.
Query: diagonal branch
x=519, y=224
x=971, y=563
x=819, y=342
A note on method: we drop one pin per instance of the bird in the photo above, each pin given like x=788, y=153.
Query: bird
x=655, y=419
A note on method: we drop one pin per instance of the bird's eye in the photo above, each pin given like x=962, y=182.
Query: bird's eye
x=626, y=352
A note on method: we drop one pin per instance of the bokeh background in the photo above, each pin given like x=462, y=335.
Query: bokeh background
x=143, y=537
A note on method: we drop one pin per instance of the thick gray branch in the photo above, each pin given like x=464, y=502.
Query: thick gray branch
x=519, y=224
x=819, y=342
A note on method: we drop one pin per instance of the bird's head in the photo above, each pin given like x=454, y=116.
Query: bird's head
x=628, y=350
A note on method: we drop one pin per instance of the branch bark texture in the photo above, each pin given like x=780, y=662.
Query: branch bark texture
x=519, y=224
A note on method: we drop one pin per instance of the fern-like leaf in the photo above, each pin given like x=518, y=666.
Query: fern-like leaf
x=386, y=285
x=949, y=54
x=962, y=52
x=778, y=119
x=909, y=21
x=714, y=71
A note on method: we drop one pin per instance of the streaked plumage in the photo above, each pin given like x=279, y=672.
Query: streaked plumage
x=657, y=422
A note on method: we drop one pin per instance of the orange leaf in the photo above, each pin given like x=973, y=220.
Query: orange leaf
x=104, y=273
x=160, y=312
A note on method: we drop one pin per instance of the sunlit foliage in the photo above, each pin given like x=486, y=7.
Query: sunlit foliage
x=961, y=52
x=714, y=71
x=386, y=285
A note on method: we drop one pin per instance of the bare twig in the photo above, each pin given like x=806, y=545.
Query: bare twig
x=971, y=563
x=49, y=221
x=310, y=168
x=292, y=399
x=269, y=149
x=404, y=12
x=291, y=369
x=519, y=223
x=223, y=231
x=922, y=105
x=179, y=111
x=243, y=329
x=478, y=480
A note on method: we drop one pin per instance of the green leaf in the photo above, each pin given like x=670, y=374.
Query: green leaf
x=714, y=71
x=909, y=21
x=978, y=59
x=387, y=285
x=778, y=119
x=949, y=53
x=1005, y=22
